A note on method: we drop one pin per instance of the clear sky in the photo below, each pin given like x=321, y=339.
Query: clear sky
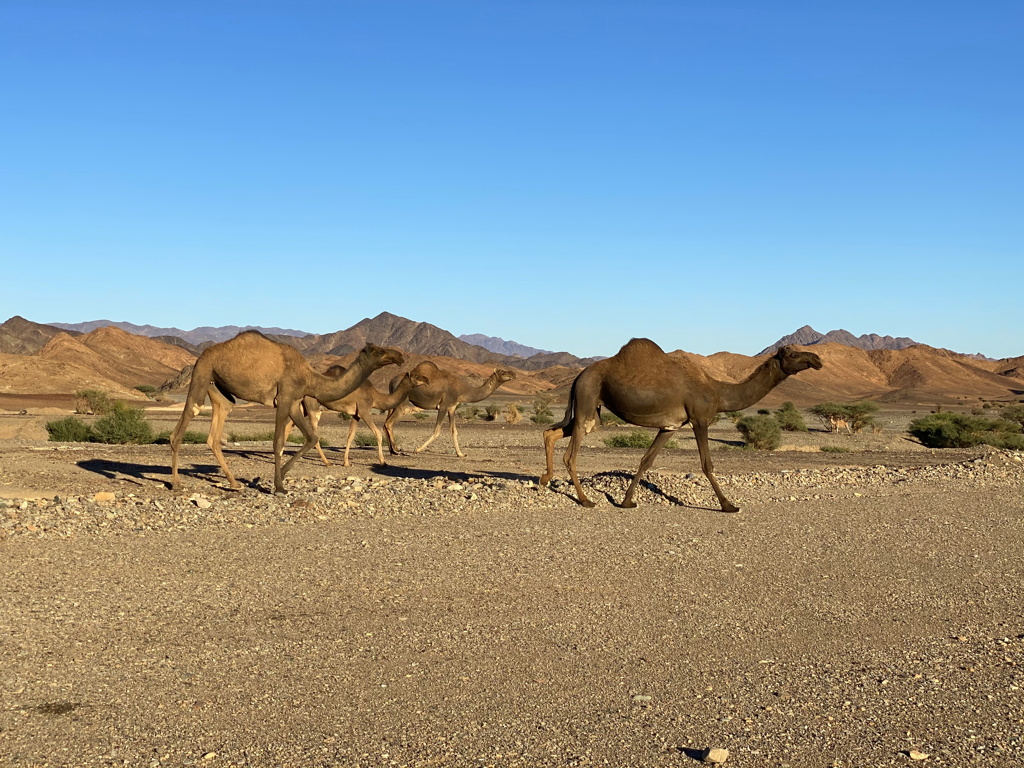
x=712, y=175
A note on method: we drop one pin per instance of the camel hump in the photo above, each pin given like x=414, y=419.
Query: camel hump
x=640, y=348
x=426, y=368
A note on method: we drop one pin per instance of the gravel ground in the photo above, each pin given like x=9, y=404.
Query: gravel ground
x=863, y=609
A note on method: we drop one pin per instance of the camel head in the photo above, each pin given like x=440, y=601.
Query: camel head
x=503, y=375
x=793, y=360
x=381, y=356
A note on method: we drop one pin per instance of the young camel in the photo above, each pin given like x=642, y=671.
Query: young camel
x=642, y=385
x=359, y=405
x=442, y=391
x=252, y=367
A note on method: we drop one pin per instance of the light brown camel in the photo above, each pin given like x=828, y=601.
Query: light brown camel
x=837, y=423
x=359, y=405
x=644, y=386
x=443, y=391
x=252, y=367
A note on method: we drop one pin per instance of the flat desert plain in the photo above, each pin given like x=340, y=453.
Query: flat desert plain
x=863, y=609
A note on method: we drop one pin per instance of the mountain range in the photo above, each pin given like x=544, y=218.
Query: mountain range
x=38, y=359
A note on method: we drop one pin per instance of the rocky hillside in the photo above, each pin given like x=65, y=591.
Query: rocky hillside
x=196, y=336
x=19, y=336
x=807, y=336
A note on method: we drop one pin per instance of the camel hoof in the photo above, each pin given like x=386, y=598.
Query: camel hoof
x=544, y=480
x=628, y=505
x=588, y=503
x=730, y=508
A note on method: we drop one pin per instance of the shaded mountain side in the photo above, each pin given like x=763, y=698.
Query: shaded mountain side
x=31, y=374
x=195, y=337
x=502, y=347
x=807, y=336
x=19, y=336
x=126, y=361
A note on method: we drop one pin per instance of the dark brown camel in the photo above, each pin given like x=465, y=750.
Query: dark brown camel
x=252, y=367
x=443, y=391
x=644, y=386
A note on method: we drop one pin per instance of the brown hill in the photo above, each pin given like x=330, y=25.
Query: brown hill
x=33, y=375
x=19, y=336
x=119, y=356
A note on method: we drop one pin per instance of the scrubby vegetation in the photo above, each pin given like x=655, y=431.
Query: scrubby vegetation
x=760, y=432
x=69, y=430
x=790, y=419
x=124, y=424
x=513, y=414
x=607, y=417
x=542, y=412
x=959, y=430
x=636, y=438
x=857, y=415
x=94, y=401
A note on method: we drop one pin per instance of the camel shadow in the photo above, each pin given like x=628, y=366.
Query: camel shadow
x=565, y=488
x=410, y=473
x=122, y=470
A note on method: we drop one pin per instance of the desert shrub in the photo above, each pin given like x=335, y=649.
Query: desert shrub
x=760, y=432
x=958, y=430
x=191, y=437
x=363, y=440
x=147, y=389
x=790, y=418
x=251, y=437
x=468, y=411
x=834, y=449
x=512, y=413
x=636, y=438
x=1014, y=413
x=421, y=415
x=734, y=415
x=69, y=430
x=491, y=412
x=607, y=417
x=542, y=411
x=123, y=424
x=857, y=415
x=93, y=401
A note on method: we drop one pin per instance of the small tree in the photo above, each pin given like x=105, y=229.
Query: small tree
x=69, y=430
x=1014, y=413
x=860, y=414
x=542, y=411
x=124, y=424
x=789, y=418
x=760, y=432
x=93, y=401
x=958, y=430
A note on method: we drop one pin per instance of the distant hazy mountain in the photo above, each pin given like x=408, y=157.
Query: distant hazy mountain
x=196, y=336
x=807, y=337
x=19, y=336
x=503, y=347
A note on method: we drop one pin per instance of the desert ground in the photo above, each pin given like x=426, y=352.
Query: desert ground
x=864, y=608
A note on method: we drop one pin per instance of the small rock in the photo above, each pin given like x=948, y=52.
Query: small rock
x=915, y=755
x=202, y=503
x=715, y=755
x=640, y=699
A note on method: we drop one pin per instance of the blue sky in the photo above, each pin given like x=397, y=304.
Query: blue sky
x=712, y=175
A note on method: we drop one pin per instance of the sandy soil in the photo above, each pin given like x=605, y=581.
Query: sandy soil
x=864, y=608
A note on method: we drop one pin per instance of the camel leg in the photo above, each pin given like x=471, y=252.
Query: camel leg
x=575, y=439
x=187, y=414
x=303, y=424
x=352, y=424
x=380, y=438
x=551, y=437
x=441, y=411
x=314, y=421
x=455, y=432
x=645, y=463
x=389, y=430
x=221, y=408
x=700, y=431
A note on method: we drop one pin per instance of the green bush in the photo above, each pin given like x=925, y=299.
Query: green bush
x=69, y=430
x=637, y=438
x=191, y=437
x=542, y=412
x=607, y=417
x=363, y=440
x=147, y=389
x=760, y=432
x=93, y=401
x=124, y=424
x=958, y=430
x=857, y=415
x=834, y=449
x=491, y=412
x=1014, y=413
x=790, y=419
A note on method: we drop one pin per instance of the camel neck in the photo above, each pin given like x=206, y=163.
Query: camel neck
x=327, y=388
x=484, y=390
x=736, y=397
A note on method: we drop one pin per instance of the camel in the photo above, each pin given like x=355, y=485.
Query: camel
x=837, y=423
x=252, y=367
x=644, y=386
x=443, y=391
x=359, y=405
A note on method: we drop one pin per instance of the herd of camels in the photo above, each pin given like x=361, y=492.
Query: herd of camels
x=640, y=384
